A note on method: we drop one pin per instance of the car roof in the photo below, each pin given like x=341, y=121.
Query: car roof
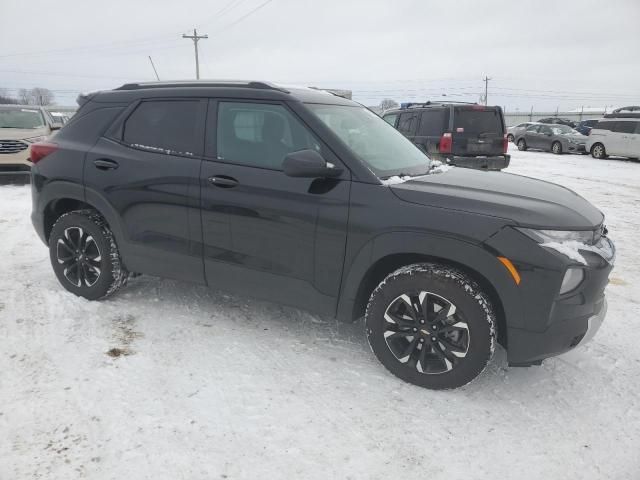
x=218, y=88
x=433, y=105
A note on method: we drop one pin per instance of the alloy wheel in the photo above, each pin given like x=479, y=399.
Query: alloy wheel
x=80, y=257
x=425, y=332
x=556, y=148
x=598, y=151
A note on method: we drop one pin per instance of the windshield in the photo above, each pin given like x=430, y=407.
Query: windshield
x=562, y=130
x=20, y=118
x=385, y=150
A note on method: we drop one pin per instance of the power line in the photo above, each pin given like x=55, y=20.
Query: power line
x=235, y=22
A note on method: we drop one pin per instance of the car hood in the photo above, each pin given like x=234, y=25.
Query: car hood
x=21, y=133
x=523, y=200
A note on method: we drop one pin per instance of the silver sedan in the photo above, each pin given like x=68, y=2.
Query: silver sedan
x=551, y=138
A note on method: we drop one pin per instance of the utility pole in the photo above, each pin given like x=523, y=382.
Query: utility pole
x=195, y=37
x=486, y=88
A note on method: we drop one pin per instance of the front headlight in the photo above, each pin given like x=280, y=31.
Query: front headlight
x=39, y=138
x=588, y=237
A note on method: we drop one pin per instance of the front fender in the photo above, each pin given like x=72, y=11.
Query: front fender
x=471, y=256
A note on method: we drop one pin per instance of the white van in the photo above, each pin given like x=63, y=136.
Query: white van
x=617, y=134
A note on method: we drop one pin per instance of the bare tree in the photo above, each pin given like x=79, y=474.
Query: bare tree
x=36, y=96
x=5, y=97
x=387, y=104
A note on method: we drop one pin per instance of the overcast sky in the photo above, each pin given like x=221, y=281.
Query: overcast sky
x=545, y=54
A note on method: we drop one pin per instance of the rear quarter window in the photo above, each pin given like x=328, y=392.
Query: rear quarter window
x=624, y=127
x=434, y=122
x=603, y=125
x=408, y=122
x=476, y=121
x=391, y=119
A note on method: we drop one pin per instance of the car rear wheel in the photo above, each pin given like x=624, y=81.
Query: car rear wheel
x=522, y=145
x=556, y=148
x=431, y=325
x=84, y=255
x=510, y=138
x=598, y=151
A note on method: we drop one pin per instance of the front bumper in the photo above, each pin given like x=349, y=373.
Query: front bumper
x=576, y=148
x=551, y=323
x=497, y=162
x=15, y=163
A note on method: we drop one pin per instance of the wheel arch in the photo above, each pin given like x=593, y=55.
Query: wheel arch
x=380, y=258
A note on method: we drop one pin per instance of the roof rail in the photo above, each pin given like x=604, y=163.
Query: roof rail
x=202, y=83
x=632, y=111
x=438, y=102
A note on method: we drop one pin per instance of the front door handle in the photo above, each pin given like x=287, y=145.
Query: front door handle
x=105, y=164
x=223, y=181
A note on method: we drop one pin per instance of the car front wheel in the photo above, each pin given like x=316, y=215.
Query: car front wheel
x=598, y=151
x=84, y=255
x=556, y=148
x=431, y=325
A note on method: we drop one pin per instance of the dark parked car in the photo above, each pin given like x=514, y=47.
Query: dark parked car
x=461, y=134
x=585, y=126
x=558, y=121
x=551, y=138
x=308, y=199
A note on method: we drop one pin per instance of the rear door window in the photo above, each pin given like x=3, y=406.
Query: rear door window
x=476, y=121
x=624, y=127
x=164, y=126
x=408, y=123
x=433, y=122
x=604, y=125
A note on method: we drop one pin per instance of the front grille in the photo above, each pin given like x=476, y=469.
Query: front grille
x=12, y=146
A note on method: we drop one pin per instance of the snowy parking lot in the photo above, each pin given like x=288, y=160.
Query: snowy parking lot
x=170, y=380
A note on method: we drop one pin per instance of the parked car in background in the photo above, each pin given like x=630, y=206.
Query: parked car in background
x=615, y=135
x=462, y=134
x=514, y=131
x=60, y=117
x=551, y=138
x=308, y=199
x=558, y=121
x=585, y=126
x=20, y=127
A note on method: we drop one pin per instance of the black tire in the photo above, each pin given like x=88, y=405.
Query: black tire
x=522, y=145
x=84, y=255
x=598, y=151
x=556, y=148
x=510, y=138
x=469, y=332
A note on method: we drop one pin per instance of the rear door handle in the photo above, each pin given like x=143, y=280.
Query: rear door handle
x=223, y=181
x=105, y=164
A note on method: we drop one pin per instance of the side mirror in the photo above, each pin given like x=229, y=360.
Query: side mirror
x=309, y=164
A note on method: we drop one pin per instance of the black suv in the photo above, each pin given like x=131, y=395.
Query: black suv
x=308, y=199
x=461, y=134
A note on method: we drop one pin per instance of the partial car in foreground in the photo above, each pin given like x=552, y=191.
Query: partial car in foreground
x=20, y=127
x=462, y=134
x=617, y=134
x=551, y=138
x=308, y=199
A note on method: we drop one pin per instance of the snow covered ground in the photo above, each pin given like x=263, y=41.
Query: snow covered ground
x=219, y=386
